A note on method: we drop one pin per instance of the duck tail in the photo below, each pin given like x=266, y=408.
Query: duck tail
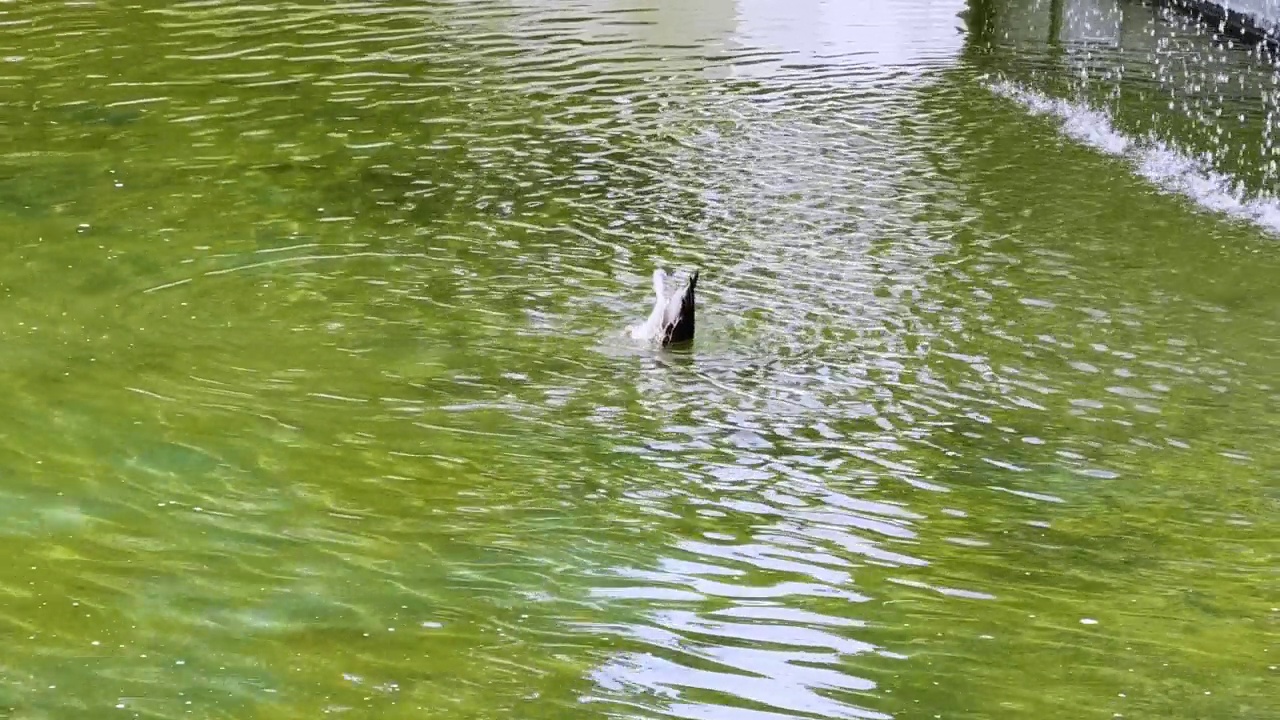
x=682, y=329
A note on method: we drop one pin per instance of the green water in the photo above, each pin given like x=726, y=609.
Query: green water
x=318, y=400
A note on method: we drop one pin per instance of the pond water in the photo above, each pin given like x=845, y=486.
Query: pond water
x=318, y=400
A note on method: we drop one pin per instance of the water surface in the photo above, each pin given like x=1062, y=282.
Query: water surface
x=319, y=401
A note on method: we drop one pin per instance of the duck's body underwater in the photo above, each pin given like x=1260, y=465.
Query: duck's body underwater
x=671, y=320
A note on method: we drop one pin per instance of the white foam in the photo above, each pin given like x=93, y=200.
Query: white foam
x=1166, y=168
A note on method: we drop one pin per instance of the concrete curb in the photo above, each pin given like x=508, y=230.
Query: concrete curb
x=1229, y=22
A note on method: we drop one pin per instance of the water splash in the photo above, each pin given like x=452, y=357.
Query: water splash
x=1166, y=167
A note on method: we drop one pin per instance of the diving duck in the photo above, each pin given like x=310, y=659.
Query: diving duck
x=671, y=320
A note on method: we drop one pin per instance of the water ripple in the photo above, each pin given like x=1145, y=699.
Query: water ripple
x=329, y=409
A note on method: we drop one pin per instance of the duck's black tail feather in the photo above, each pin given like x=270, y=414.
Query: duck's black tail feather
x=682, y=330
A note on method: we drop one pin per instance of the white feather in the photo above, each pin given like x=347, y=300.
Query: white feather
x=652, y=327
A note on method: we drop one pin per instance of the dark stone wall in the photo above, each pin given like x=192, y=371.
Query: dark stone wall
x=1229, y=22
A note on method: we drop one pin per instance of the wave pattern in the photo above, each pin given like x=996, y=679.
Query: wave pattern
x=329, y=409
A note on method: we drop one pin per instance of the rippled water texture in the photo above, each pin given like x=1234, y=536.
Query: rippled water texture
x=318, y=400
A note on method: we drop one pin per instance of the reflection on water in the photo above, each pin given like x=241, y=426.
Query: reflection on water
x=319, y=401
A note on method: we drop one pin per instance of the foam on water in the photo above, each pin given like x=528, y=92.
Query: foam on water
x=1167, y=168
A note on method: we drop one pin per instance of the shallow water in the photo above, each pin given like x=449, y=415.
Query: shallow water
x=319, y=400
